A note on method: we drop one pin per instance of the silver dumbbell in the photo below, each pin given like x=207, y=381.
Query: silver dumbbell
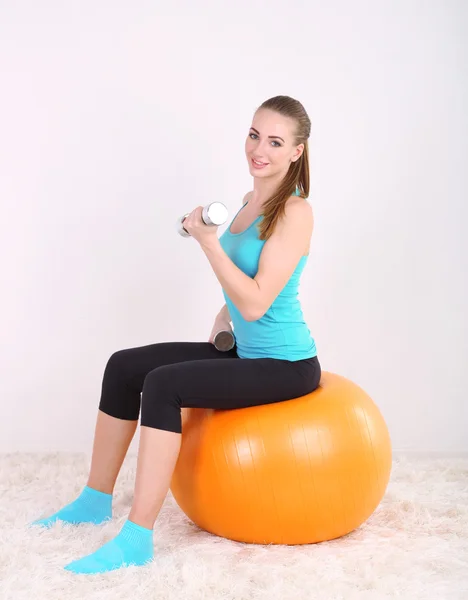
x=224, y=340
x=213, y=214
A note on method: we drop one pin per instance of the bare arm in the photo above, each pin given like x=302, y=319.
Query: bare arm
x=280, y=256
x=224, y=314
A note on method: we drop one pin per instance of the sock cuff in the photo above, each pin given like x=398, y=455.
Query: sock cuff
x=133, y=532
x=96, y=493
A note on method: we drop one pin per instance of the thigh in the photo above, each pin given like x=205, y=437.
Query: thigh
x=237, y=383
x=135, y=363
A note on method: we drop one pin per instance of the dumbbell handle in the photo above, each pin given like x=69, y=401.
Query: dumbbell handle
x=214, y=213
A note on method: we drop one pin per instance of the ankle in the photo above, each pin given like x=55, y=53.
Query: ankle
x=99, y=487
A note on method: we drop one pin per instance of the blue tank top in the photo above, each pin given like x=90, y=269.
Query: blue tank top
x=281, y=332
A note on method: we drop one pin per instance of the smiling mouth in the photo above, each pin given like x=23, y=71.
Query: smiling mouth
x=257, y=164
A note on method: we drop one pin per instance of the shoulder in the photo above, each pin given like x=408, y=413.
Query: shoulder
x=298, y=210
x=295, y=208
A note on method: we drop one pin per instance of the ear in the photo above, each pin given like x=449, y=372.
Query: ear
x=299, y=151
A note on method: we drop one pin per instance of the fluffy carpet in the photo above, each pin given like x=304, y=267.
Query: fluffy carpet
x=414, y=546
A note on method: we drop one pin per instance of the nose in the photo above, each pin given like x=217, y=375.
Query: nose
x=258, y=153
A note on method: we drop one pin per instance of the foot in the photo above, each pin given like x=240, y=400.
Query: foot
x=91, y=506
x=132, y=546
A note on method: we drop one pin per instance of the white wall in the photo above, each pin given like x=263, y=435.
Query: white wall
x=116, y=118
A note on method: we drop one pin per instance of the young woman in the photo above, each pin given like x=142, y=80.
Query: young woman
x=258, y=261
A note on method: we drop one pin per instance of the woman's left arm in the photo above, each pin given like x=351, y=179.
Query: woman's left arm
x=278, y=260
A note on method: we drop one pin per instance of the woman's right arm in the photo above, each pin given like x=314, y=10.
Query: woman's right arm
x=222, y=322
x=224, y=314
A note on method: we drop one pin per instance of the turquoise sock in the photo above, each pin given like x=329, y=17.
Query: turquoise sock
x=91, y=506
x=132, y=546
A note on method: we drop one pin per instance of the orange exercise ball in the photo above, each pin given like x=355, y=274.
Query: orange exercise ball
x=301, y=471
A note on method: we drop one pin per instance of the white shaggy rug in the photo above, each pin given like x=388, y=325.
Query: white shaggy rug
x=415, y=545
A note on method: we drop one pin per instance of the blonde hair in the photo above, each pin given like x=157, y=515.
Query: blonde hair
x=298, y=173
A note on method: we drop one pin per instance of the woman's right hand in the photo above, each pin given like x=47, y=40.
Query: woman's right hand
x=220, y=324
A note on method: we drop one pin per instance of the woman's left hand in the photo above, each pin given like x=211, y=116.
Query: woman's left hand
x=197, y=228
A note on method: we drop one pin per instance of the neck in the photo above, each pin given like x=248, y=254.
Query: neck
x=264, y=187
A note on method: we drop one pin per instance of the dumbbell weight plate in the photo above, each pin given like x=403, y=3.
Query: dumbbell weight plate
x=215, y=214
x=224, y=340
x=180, y=226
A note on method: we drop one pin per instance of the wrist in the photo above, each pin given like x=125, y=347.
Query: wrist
x=208, y=245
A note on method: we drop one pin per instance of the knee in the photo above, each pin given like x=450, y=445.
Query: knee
x=160, y=385
x=117, y=365
x=160, y=401
x=120, y=393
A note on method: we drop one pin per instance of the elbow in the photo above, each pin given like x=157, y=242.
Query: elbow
x=249, y=317
x=254, y=310
x=253, y=315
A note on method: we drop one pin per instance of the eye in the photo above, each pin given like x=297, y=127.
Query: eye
x=273, y=141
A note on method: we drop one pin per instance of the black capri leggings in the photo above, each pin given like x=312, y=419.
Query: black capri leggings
x=173, y=375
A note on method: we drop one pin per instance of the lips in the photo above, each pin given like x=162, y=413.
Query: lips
x=259, y=163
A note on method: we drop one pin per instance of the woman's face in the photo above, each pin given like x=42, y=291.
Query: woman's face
x=270, y=141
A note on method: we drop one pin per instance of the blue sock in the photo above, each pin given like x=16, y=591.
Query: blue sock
x=132, y=546
x=91, y=506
